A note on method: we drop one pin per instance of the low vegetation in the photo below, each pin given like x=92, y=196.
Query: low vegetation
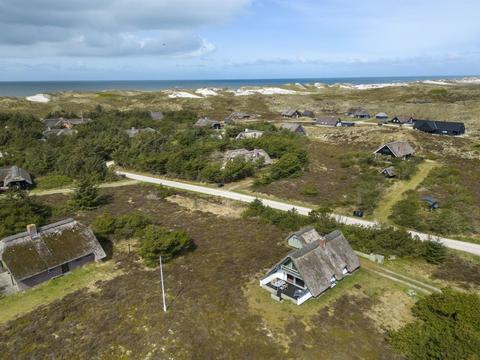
x=447, y=326
x=17, y=210
x=384, y=240
x=457, y=213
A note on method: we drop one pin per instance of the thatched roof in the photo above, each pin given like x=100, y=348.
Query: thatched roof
x=293, y=127
x=60, y=122
x=59, y=132
x=248, y=155
x=306, y=235
x=27, y=254
x=206, y=122
x=321, y=260
x=402, y=119
x=13, y=174
x=398, y=148
x=237, y=115
x=249, y=134
x=134, y=131
x=327, y=121
x=291, y=113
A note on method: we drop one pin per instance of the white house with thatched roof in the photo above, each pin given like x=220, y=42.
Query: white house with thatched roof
x=313, y=268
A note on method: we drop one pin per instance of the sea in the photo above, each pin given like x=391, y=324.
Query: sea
x=28, y=88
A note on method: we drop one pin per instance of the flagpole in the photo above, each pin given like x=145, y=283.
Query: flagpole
x=163, y=287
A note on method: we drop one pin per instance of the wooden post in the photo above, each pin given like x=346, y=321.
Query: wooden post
x=163, y=287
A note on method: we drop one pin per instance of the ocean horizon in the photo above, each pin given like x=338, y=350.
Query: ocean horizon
x=28, y=88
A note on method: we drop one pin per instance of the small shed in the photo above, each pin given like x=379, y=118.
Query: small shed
x=381, y=115
x=389, y=172
x=431, y=202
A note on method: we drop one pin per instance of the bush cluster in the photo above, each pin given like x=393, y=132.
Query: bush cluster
x=447, y=326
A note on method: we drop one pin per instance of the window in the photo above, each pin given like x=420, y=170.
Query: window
x=299, y=282
x=290, y=278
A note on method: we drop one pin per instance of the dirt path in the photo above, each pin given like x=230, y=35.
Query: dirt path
x=399, y=278
x=70, y=190
x=395, y=193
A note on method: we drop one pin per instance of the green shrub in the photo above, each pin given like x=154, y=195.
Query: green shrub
x=85, y=196
x=121, y=227
x=435, y=252
x=17, y=210
x=309, y=190
x=157, y=241
x=447, y=326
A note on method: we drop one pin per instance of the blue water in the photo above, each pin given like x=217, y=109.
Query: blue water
x=26, y=88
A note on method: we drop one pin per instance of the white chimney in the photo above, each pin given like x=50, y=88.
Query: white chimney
x=32, y=230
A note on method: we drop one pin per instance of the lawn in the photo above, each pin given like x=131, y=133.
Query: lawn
x=209, y=307
x=21, y=303
x=395, y=193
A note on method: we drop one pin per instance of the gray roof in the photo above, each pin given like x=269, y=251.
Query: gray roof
x=321, y=260
x=156, y=115
x=403, y=119
x=308, y=113
x=251, y=155
x=398, y=148
x=14, y=174
x=291, y=112
x=381, y=115
x=237, y=115
x=206, y=122
x=59, y=132
x=306, y=235
x=61, y=122
x=26, y=255
x=134, y=131
x=249, y=134
x=293, y=127
x=327, y=121
x=389, y=171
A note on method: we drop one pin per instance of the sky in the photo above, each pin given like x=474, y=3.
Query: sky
x=236, y=39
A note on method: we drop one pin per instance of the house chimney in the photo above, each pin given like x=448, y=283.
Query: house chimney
x=32, y=230
x=323, y=243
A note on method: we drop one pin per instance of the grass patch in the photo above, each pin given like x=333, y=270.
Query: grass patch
x=52, y=182
x=15, y=305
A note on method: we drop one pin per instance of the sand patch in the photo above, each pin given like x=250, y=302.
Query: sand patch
x=392, y=311
x=40, y=98
x=219, y=207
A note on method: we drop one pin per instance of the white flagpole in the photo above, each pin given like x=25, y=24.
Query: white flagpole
x=163, y=287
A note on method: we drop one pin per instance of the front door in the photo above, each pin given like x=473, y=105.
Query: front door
x=65, y=268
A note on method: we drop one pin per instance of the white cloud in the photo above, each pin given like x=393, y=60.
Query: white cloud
x=109, y=27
